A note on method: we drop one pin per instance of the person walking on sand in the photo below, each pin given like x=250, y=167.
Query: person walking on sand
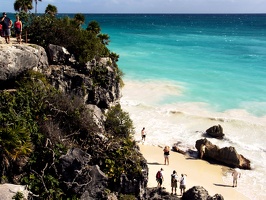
x=174, y=180
x=182, y=184
x=6, y=26
x=166, y=153
x=18, y=29
x=159, y=177
x=236, y=174
x=143, y=135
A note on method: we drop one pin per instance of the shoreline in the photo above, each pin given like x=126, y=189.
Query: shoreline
x=199, y=172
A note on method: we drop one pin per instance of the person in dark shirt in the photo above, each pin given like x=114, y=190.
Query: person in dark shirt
x=6, y=26
x=166, y=153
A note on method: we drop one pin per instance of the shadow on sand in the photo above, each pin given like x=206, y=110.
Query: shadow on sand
x=222, y=185
x=155, y=163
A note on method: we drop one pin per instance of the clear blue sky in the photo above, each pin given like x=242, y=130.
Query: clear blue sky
x=147, y=6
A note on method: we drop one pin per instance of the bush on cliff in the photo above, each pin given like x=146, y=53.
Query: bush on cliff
x=83, y=44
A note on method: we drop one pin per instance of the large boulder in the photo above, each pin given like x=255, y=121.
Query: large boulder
x=226, y=155
x=215, y=131
x=200, y=193
x=16, y=59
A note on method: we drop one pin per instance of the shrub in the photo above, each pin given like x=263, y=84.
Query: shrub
x=118, y=122
x=84, y=45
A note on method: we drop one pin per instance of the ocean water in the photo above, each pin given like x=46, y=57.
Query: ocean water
x=185, y=73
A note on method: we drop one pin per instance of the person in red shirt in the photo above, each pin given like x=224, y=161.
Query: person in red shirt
x=18, y=29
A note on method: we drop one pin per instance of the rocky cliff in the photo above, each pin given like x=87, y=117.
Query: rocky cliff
x=102, y=89
x=77, y=172
x=98, y=84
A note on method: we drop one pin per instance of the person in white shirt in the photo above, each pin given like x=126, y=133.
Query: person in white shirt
x=236, y=174
x=182, y=184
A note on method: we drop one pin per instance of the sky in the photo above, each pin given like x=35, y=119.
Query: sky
x=146, y=6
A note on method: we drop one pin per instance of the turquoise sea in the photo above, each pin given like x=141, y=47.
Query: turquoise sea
x=187, y=72
x=218, y=59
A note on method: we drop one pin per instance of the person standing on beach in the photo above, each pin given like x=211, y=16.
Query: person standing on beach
x=174, y=180
x=166, y=153
x=159, y=177
x=202, y=150
x=143, y=135
x=236, y=174
x=18, y=29
x=182, y=184
x=6, y=26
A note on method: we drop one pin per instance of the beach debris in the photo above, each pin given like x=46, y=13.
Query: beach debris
x=215, y=131
x=226, y=155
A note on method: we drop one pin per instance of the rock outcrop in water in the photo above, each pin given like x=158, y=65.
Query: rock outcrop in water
x=227, y=155
x=215, y=131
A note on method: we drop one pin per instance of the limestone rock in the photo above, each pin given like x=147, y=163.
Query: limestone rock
x=215, y=131
x=7, y=191
x=81, y=82
x=59, y=55
x=81, y=178
x=98, y=115
x=226, y=155
x=16, y=59
x=200, y=193
x=196, y=193
x=176, y=149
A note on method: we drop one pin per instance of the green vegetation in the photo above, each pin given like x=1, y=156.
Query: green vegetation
x=83, y=44
x=39, y=124
x=51, y=10
x=23, y=5
x=18, y=196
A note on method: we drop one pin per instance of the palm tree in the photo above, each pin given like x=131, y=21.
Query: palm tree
x=105, y=38
x=79, y=19
x=23, y=5
x=36, y=1
x=15, y=144
x=94, y=27
x=51, y=10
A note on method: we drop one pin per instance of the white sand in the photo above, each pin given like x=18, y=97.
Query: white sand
x=199, y=172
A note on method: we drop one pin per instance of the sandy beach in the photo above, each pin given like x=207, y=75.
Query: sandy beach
x=199, y=172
